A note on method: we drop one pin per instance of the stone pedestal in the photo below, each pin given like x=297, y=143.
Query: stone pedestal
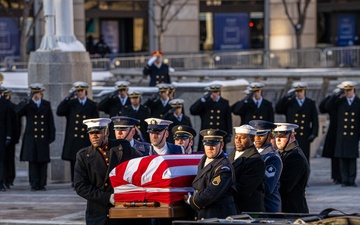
x=57, y=71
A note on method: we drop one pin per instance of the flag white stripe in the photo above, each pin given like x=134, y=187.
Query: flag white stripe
x=179, y=171
x=131, y=167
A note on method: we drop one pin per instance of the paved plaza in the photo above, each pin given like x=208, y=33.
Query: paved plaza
x=61, y=205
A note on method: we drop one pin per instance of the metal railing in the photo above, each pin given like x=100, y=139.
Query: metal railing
x=332, y=57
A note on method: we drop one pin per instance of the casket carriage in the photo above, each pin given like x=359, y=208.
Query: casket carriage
x=153, y=186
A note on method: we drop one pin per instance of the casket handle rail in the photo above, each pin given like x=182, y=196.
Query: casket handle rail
x=140, y=204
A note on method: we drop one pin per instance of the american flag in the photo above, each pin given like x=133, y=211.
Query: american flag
x=156, y=178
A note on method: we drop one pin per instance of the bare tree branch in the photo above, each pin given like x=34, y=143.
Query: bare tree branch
x=287, y=13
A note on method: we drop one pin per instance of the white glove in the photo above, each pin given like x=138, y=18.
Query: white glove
x=171, y=70
x=151, y=60
x=112, y=200
x=188, y=199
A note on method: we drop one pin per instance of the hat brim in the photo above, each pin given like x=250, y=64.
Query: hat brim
x=95, y=129
x=211, y=142
x=182, y=136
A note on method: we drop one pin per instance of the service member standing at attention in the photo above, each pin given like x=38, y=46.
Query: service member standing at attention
x=273, y=164
x=184, y=136
x=347, y=137
x=177, y=116
x=124, y=128
x=159, y=105
x=92, y=168
x=114, y=103
x=249, y=171
x=158, y=71
x=138, y=111
x=254, y=106
x=214, y=112
x=302, y=111
x=39, y=133
x=296, y=171
x=76, y=108
x=158, y=132
x=215, y=181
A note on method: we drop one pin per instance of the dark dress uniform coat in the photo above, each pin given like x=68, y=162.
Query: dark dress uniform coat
x=157, y=75
x=293, y=179
x=39, y=131
x=214, y=185
x=249, y=173
x=306, y=117
x=91, y=179
x=185, y=120
x=157, y=109
x=113, y=107
x=330, y=139
x=215, y=115
x=172, y=149
x=248, y=110
x=141, y=114
x=142, y=147
x=76, y=136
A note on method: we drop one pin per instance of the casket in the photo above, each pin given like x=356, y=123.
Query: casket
x=153, y=186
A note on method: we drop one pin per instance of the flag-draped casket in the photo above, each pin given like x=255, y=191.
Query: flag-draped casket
x=165, y=179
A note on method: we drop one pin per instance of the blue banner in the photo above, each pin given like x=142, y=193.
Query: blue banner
x=346, y=30
x=231, y=31
x=9, y=38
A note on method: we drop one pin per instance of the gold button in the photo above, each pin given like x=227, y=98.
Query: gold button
x=42, y=129
x=35, y=136
x=42, y=136
x=75, y=135
x=295, y=121
x=161, y=115
x=302, y=128
x=76, y=122
x=301, y=133
x=344, y=133
x=82, y=129
x=77, y=115
x=106, y=159
x=211, y=117
x=218, y=123
x=345, y=126
x=162, y=77
x=104, y=153
x=35, y=129
x=346, y=113
x=303, y=115
x=106, y=184
x=157, y=82
x=35, y=122
x=211, y=123
x=84, y=117
x=296, y=115
x=76, y=128
x=107, y=164
x=82, y=136
x=261, y=117
x=345, y=119
x=42, y=116
x=351, y=133
x=35, y=116
x=212, y=111
x=218, y=111
x=254, y=117
x=42, y=122
x=352, y=120
x=353, y=114
x=352, y=127
x=218, y=117
x=302, y=121
x=157, y=76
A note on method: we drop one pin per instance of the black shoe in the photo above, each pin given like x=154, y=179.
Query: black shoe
x=7, y=185
x=42, y=189
x=352, y=185
x=337, y=182
x=2, y=187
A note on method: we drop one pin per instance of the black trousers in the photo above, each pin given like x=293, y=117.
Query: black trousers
x=37, y=174
x=9, y=164
x=335, y=169
x=348, y=170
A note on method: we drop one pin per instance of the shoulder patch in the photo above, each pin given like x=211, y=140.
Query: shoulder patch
x=216, y=181
x=225, y=168
x=270, y=171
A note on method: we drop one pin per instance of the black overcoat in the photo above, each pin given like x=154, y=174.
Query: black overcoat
x=249, y=173
x=39, y=131
x=215, y=186
x=247, y=110
x=185, y=120
x=91, y=178
x=293, y=179
x=76, y=136
x=141, y=114
x=7, y=127
x=157, y=109
x=157, y=75
x=306, y=117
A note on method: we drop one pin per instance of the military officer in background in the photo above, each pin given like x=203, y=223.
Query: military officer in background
x=76, y=107
x=10, y=170
x=347, y=105
x=254, y=106
x=125, y=128
x=249, y=171
x=302, y=111
x=214, y=112
x=296, y=170
x=176, y=115
x=158, y=71
x=215, y=181
x=39, y=133
x=93, y=166
x=140, y=112
x=159, y=103
x=114, y=103
x=273, y=164
x=184, y=136
x=172, y=90
x=158, y=132
x=330, y=139
x=6, y=133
